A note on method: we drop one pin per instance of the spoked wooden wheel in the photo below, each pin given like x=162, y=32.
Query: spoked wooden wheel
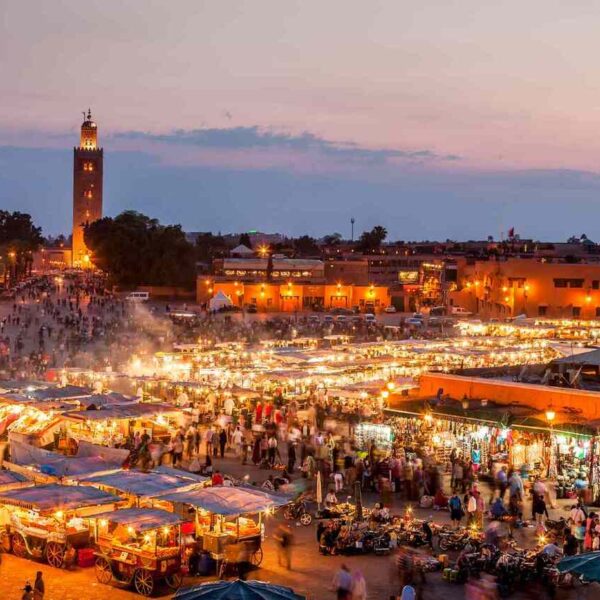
x=174, y=581
x=144, y=582
x=256, y=557
x=103, y=570
x=55, y=554
x=18, y=545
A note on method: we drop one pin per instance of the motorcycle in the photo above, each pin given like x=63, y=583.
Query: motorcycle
x=456, y=540
x=297, y=511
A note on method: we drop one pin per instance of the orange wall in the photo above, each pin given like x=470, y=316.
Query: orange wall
x=486, y=288
x=508, y=392
x=289, y=298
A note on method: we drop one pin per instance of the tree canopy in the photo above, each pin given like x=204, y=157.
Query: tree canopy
x=372, y=240
x=209, y=246
x=135, y=249
x=19, y=239
x=245, y=240
x=306, y=246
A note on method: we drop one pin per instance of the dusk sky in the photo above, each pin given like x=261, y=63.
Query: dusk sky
x=437, y=119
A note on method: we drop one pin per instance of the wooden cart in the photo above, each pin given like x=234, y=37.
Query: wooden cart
x=139, y=547
x=43, y=522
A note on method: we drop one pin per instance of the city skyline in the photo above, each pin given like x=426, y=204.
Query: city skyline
x=225, y=117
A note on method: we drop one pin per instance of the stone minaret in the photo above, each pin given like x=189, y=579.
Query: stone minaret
x=87, y=188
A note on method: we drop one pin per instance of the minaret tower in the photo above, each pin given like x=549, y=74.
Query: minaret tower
x=87, y=187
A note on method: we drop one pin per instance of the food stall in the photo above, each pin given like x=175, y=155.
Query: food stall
x=136, y=487
x=224, y=516
x=112, y=426
x=139, y=546
x=33, y=423
x=89, y=460
x=39, y=522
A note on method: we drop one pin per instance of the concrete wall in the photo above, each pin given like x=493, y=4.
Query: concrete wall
x=587, y=404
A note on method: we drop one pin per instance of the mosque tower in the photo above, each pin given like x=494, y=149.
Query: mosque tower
x=87, y=188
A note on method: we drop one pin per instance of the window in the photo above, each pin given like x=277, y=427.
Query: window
x=570, y=283
x=88, y=166
x=595, y=285
x=576, y=311
x=542, y=311
x=598, y=311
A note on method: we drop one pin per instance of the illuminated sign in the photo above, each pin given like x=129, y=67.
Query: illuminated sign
x=408, y=276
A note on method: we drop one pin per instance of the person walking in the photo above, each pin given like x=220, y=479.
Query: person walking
x=342, y=583
x=222, y=442
x=27, y=592
x=177, y=449
x=471, y=503
x=539, y=509
x=272, y=450
x=237, y=439
x=359, y=586
x=38, y=587
x=456, y=510
x=283, y=537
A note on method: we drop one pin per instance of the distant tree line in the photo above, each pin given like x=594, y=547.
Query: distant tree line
x=19, y=239
x=135, y=249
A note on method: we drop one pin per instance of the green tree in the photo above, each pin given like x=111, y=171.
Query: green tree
x=333, y=239
x=245, y=240
x=19, y=239
x=372, y=240
x=135, y=249
x=209, y=246
x=306, y=246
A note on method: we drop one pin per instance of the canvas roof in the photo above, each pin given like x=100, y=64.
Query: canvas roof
x=228, y=501
x=139, y=483
x=56, y=497
x=141, y=519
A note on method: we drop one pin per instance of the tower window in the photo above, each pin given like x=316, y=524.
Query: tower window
x=87, y=194
x=88, y=166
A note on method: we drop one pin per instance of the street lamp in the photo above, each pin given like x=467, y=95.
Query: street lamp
x=550, y=415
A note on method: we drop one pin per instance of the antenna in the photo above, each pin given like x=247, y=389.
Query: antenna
x=352, y=220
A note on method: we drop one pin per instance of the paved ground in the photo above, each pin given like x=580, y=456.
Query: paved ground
x=311, y=572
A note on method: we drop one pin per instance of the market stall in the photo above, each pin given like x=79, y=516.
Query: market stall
x=136, y=487
x=112, y=426
x=494, y=436
x=42, y=521
x=225, y=516
x=89, y=460
x=139, y=546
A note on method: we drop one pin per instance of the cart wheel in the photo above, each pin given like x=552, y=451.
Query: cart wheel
x=174, y=581
x=256, y=557
x=18, y=545
x=306, y=519
x=103, y=570
x=287, y=514
x=55, y=554
x=144, y=582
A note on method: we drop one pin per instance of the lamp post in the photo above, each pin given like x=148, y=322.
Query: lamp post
x=550, y=416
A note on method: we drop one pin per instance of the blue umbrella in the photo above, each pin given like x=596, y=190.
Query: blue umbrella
x=587, y=565
x=237, y=590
